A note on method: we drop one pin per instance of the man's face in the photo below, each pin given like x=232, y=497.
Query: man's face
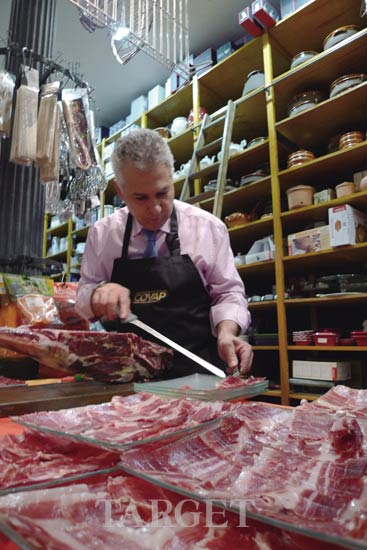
x=148, y=194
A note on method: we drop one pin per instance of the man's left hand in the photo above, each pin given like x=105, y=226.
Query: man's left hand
x=234, y=351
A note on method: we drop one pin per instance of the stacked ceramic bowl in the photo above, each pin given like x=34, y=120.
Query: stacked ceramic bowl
x=305, y=100
x=302, y=57
x=303, y=337
x=350, y=138
x=345, y=83
x=338, y=35
x=299, y=157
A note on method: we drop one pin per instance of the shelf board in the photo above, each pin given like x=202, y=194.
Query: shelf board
x=267, y=304
x=327, y=348
x=182, y=146
x=322, y=17
x=307, y=396
x=59, y=231
x=226, y=79
x=333, y=257
x=82, y=232
x=323, y=170
x=242, y=235
x=344, y=58
x=327, y=301
x=302, y=216
x=256, y=269
x=58, y=256
x=177, y=104
x=248, y=160
x=248, y=195
x=114, y=137
x=265, y=348
x=272, y=393
x=343, y=112
x=250, y=118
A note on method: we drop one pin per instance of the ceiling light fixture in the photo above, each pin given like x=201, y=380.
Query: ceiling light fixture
x=157, y=27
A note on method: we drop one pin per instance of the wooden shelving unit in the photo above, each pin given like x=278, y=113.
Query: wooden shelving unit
x=264, y=113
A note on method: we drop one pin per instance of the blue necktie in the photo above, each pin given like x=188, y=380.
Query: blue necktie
x=151, y=246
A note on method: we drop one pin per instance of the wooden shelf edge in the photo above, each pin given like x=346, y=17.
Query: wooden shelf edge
x=307, y=396
x=327, y=348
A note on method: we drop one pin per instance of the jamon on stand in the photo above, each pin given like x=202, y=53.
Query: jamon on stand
x=104, y=356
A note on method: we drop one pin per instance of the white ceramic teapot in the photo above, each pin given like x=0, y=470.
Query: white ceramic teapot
x=178, y=125
x=206, y=161
x=185, y=168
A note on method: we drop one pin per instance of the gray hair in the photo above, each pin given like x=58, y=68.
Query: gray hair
x=144, y=149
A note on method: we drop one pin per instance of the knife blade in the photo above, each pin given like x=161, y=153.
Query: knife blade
x=133, y=319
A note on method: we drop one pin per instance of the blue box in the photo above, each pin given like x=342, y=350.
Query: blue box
x=225, y=50
x=205, y=61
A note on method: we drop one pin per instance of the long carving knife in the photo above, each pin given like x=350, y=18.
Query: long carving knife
x=133, y=319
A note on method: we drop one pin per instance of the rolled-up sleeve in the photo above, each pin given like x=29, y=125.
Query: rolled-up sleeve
x=93, y=270
x=224, y=284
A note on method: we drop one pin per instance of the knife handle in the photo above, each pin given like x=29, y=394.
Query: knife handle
x=131, y=317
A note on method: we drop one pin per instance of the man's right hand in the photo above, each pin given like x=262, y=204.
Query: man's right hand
x=110, y=301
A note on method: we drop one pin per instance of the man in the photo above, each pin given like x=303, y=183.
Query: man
x=167, y=261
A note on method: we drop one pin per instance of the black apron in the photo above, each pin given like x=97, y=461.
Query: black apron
x=168, y=294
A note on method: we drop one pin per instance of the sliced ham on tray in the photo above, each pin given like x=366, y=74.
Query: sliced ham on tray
x=104, y=356
x=32, y=458
x=5, y=381
x=343, y=399
x=127, y=420
x=304, y=467
x=231, y=382
x=120, y=512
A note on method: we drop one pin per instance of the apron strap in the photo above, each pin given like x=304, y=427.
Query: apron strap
x=125, y=244
x=172, y=240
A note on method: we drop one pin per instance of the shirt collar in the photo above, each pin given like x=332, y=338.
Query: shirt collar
x=137, y=227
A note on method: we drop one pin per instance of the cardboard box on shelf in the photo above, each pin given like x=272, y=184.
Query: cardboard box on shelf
x=138, y=106
x=324, y=195
x=155, y=96
x=205, y=61
x=321, y=370
x=310, y=240
x=225, y=50
x=246, y=21
x=289, y=6
x=261, y=250
x=347, y=225
x=265, y=13
x=172, y=84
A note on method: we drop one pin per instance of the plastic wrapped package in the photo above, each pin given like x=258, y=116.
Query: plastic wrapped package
x=24, y=135
x=34, y=300
x=6, y=99
x=46, y=123
x=49, y=169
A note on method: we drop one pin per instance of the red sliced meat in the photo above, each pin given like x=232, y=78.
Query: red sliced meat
x=4, y=381
x=231, y=382
x=104, y=356
x=33, y=457
x=343, y=399
x=127, y=419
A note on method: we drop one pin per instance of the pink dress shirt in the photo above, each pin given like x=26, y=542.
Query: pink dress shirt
x=202, y=236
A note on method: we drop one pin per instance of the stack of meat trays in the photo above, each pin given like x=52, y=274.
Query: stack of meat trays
x=119, y=512
x=302, y=469
x=126, y=421
x=206, y=387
